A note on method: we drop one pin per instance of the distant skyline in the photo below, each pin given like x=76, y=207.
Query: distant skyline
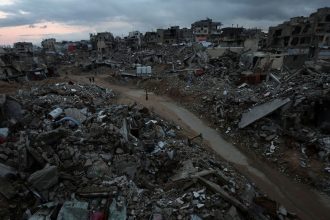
x=34, y=20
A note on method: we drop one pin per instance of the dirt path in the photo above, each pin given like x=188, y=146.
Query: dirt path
x=297, y=198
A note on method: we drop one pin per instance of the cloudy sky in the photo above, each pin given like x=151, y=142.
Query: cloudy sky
x=33, y=20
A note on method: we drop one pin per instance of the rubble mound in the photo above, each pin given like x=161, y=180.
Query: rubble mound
x=69, y=152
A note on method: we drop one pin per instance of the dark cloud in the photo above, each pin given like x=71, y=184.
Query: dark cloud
x=43, y=27
x=151, y=14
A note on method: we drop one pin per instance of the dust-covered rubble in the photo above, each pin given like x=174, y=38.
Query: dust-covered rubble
x=93, y=159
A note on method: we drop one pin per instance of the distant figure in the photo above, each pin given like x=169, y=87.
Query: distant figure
x=90, y=79
x=146, y=94
x=93, y=79
x=6, y=73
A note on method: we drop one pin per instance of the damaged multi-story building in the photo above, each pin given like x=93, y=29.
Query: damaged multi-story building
x=174, y=35
x=134, y=39
x=171, y=35
x=103, y=42
x=250, y=39
x=150, y=38
x=23, y=55
x=206, y=30
x=23, y=47
x=48, y=44
x=304, y=35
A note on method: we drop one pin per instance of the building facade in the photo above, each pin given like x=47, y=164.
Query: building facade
x=23, y=47
x=302, y=32
x=206, y=30
x=49, y=44
x=103, y=42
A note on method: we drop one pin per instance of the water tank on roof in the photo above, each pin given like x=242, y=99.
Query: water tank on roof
x=149, y=70
x=139, y=70
x=144, y=70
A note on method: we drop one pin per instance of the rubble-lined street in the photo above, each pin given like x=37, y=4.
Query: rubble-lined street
x=70, y=151
x=206, y=121
x=274, y=183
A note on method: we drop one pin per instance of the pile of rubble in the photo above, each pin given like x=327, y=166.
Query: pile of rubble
x=287, y=111
x=225, y=65
x=68, y=152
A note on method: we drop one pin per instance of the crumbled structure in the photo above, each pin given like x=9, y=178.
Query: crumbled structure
x=174, y=35
x=49, y=44
x=23, y=47
x=303, y=35
x=282, y=116
x=103, y=42
x=67, y=152
x=134, y=40
x=206, y=30
x=250, y=39
x=150, y=38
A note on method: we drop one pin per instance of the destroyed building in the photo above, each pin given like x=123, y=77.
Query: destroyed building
x=250, y=39
x=48, y=44
x=134, y=39
x=303, y=35
x=206, y=30
x=186, y=35
x=23, y=47
x=174, y=35
x=170, y=35
x=102, y=42
x=150, y=38
x=232, y=37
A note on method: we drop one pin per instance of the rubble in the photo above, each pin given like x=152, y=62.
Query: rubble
x=44, y=179
x=260, y=111
x=292, y=116
x=118, y=162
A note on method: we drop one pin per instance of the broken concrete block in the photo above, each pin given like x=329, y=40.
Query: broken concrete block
x=76, y=114
x=187, y=170
x=46, y=211
x=117, y=211
x=261, y=111
x=73, y=210
x=53, y=136
x=6, y=171
x=171, y=133
x=3, y=157
x=232, y=214
x=6, y=188
x=13, y=110
x=44, y=179
x=159, y=131
x=4, y=132
x=98, y=169
x=156, y=217
x=119, y=151
x=195, y=217
x=55, y=113
x=123, y=130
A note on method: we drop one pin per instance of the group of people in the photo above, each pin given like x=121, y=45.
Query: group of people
x=91, y=79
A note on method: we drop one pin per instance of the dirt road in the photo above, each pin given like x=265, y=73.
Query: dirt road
x=297, y=198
